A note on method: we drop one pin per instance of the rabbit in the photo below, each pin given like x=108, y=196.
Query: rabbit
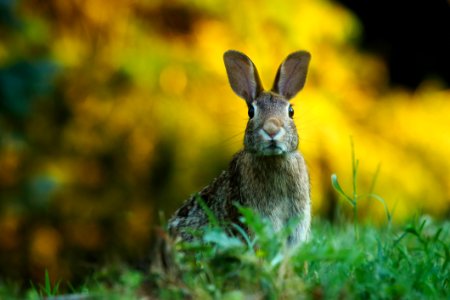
x=269, y=175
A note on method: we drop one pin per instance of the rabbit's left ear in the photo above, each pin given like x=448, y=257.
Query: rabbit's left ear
x=291, y=75
x=242, y=75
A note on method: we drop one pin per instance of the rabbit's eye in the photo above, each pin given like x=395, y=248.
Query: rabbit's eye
x=251, y=112
x=291, y=111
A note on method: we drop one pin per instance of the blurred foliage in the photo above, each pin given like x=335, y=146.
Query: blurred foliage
x=112, y=112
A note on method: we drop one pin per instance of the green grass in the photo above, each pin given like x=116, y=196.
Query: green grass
x=45, y=290
x=406, y=262
x=345, y=260
x=411, y=262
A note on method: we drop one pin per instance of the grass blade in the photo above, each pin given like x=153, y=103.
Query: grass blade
x=337, y=187
x=48, y=285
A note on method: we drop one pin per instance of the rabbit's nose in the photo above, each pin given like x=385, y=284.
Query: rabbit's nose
x=272, y=127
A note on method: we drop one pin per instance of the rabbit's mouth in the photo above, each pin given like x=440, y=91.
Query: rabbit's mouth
x=273, y=148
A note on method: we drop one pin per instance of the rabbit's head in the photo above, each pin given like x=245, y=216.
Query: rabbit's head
x=270, y=128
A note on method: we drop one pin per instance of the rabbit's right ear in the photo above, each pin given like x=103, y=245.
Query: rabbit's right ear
x=242, y=75
x=291, y=75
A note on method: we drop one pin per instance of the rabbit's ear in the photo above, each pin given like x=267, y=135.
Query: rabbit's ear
x=242, y=75
x=291, y=75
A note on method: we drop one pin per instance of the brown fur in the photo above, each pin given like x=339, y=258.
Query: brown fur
x=269, y=175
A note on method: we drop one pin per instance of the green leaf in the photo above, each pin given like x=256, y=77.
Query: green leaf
x=48, y=286
x=337, y=187
x=244, y=235
x=212, y=218
x=221, y=239
x=381, y=200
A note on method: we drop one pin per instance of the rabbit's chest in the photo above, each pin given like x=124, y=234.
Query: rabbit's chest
x=279, y=214
x=277, y=187
x=275, y=195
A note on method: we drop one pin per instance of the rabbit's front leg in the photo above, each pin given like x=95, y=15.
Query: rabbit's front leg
x=301, y=233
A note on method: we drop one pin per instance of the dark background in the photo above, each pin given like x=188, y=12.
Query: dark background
x=412, y=36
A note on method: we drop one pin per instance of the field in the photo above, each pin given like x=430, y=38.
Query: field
x=348, y=258
x=341, y=261
x=112, y=113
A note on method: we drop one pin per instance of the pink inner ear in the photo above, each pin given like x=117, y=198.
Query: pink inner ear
x=288, y=77
x=291, y=75
x=246, y=81
x=282, y=81
x=242, y=75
